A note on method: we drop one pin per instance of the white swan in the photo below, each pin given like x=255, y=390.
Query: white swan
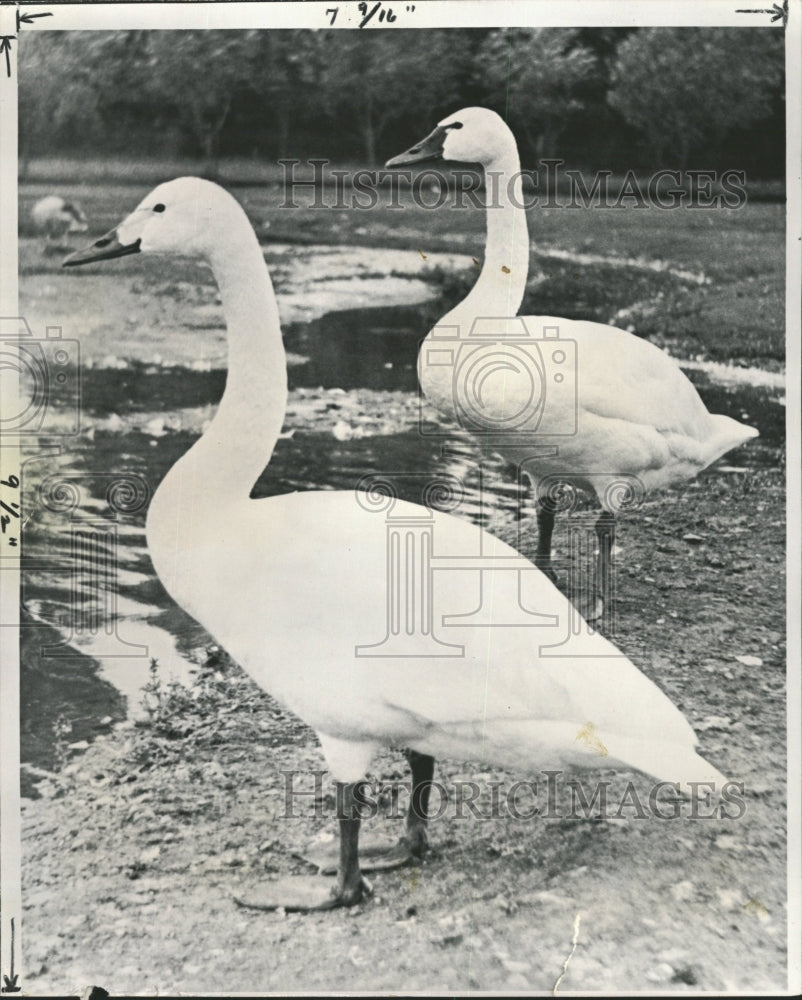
x=350, y=615
x=55, y=217
x=588, y=404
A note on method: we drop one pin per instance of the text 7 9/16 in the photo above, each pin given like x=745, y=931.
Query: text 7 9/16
x=377, y=14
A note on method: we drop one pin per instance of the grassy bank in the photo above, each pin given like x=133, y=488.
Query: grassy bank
x=240, y=171
x=622, y=265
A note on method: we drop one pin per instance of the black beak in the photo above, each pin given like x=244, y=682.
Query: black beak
x=105, y=248
x=430, y=148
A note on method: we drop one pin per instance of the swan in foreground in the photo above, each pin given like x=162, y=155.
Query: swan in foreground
x=566, y=400
x=345, y=606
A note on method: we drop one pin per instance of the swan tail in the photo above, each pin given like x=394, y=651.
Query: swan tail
x=538, y=744
x=727, y=434
x=704, y=777
x=677, y=764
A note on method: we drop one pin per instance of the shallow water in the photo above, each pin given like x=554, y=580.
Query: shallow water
x=376, y=349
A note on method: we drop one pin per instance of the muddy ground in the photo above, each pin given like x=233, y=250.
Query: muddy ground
x=137, y=836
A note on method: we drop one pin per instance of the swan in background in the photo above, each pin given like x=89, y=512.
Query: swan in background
x=296, y=587
x=56, y=217
x=586, y=404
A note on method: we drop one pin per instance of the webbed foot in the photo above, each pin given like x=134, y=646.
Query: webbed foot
x=303, y=894
x=375, y=856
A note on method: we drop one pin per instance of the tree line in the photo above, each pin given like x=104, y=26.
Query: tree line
x=609, y=97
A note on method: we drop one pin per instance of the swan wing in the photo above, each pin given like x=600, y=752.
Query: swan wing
x=609, y=401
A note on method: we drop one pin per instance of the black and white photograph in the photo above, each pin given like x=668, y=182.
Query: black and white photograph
x=400, y=498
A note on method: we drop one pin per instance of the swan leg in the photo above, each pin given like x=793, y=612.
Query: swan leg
x=605, y=532
x=411, y=846
x=414, y=843
x=350, y=885
x=417, y=836
x=545, y=528
x=305, y=893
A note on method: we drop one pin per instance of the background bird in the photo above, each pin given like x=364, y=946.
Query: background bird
x=55, y=218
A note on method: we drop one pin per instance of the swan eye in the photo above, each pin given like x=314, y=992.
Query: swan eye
x=158, y=208
x=454, y=125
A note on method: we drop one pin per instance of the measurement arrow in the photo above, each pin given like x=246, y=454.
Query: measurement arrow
x=11, y=984
x=11, y=980
x=775, y=10
x=30, y=18
x=5, y=46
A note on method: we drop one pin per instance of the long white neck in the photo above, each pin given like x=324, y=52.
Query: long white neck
x=228, y=459
x=500, y=287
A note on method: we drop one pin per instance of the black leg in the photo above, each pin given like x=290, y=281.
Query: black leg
x=417, y=836
x=414, y=843
x=304, y=893
x=605, y=532
x=350, y=883
x=377, y=855
x=545, y=528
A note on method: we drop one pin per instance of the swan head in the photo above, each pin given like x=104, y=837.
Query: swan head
x=189, y=216
x=472, y=135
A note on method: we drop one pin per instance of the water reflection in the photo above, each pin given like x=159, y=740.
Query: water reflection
x=360, y=348
x=377, y=349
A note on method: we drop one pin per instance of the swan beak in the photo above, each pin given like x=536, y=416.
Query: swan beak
x=105, y=248
x=430, y=148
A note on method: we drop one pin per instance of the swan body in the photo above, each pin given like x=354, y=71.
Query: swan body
x=55, y=217
x=645, y=419
x=311, y=600
x=625, y=410
x=296, y=587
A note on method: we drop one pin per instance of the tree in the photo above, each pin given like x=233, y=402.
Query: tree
x=537, y=76
x=75, y=85
x=684, y=86
x=62, y=80
x=284, y=75
x=199, y=73
x=373, y=78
